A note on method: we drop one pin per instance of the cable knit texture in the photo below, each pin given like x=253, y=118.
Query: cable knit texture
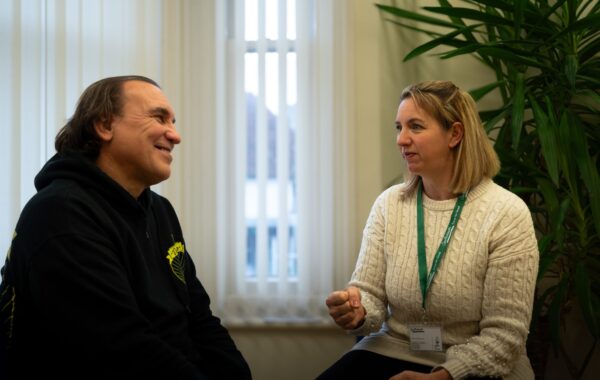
x=481, y=296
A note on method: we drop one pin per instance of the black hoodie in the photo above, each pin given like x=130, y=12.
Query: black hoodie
x=98, y=284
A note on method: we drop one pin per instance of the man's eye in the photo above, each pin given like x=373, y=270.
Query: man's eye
x=160, y=119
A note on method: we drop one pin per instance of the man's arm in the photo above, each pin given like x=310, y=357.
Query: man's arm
x=217, y=350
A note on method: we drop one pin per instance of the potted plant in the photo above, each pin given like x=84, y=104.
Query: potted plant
x=546, y=60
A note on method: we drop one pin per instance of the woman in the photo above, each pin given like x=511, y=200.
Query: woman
x=443, y=287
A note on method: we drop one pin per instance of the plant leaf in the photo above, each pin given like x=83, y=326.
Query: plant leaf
x=587, y=23
x=480, y=92
x=543, y=244
x=540, y=303
x=595, y=97
x=493, y=118
x=518, y=110
x=447, y=39
x=519, y=6
x=558, y=221
x=571, y=66
x=567, y=165
x=468, y=49
x=588, y=49
x=587, y=167
x=402, y=13
x=547, y=137
x=583, y=291
x=546, y=260
x=555, y=310
x=504, y=5
x=468, y=35
x=549, y=195
x=470, y=14
x=511, y=57
x=416, y=29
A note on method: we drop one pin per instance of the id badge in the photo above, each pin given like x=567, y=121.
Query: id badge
x=425, y=337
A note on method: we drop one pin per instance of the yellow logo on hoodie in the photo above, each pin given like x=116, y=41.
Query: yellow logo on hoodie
x=177, y=260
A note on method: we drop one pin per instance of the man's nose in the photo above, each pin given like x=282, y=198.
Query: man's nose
x=173, y=136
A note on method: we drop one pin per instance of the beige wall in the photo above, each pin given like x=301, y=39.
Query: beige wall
x=290, y=353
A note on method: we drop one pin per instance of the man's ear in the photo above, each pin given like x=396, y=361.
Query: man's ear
x=457, y=131
x=104, y=129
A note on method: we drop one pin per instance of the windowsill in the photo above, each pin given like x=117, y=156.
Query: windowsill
x=273, y=324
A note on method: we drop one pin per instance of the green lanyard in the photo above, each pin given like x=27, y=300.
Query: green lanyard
x=424, y=279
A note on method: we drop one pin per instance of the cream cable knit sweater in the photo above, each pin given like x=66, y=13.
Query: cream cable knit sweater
x=482, y=293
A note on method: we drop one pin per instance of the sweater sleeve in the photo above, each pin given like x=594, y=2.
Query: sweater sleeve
x=369, y=273
x=507, y=300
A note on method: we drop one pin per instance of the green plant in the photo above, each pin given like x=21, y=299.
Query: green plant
x=545, y=56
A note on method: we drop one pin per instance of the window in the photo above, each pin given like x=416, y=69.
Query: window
x=271, y=207
x=282, y=169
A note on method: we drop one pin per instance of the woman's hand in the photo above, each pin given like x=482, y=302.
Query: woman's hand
x=440, y=374
x=346, y=309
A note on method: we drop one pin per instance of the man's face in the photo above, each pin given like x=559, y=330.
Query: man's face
x=137, y=148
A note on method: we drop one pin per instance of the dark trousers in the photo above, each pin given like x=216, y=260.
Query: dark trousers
x=363, y=365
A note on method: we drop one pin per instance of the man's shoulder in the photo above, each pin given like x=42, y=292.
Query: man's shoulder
x=57, y=196
x=64, y=206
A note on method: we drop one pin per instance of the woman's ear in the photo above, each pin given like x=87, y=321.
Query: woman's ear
x=103, y=129
x=457, y=131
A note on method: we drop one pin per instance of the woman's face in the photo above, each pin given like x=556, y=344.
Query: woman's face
x=425, y=144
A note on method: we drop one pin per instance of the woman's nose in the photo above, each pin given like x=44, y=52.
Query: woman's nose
x=402, y=137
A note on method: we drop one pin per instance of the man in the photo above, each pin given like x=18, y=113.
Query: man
x=98, y=282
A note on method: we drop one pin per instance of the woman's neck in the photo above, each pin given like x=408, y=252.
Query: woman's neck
x=437, y=190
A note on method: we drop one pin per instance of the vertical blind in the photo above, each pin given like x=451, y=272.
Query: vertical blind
x=51, y=50
x=283, y=159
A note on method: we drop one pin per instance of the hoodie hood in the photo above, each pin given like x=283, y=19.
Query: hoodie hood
x=78, y=168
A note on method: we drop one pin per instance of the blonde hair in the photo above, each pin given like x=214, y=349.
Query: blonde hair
x=475, y=155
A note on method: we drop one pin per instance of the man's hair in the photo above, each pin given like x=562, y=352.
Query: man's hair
x=475, y=155
x=100, y=102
